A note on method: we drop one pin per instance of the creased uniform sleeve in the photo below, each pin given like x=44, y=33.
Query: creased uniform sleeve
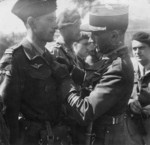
x=10, y=93
x=101, y=99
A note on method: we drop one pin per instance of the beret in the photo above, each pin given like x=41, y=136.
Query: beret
x=142, y=37
x=35, y=8
x=107, y=17
x=68, y=17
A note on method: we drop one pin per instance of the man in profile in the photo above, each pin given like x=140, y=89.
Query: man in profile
x=32, y=81
x=110, y=80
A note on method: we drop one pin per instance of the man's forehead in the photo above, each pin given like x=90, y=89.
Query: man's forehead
x=136, y=43
x=140, y=45
x=49, y=15
x=99, y=32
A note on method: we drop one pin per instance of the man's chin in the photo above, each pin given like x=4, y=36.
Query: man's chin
x=139, y=59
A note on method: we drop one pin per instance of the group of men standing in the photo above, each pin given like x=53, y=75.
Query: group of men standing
x=47, y=98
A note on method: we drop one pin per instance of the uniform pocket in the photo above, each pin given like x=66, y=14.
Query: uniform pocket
x=41, y=73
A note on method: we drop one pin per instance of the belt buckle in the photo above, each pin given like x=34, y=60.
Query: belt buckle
x=50, y=137
x=115, y=120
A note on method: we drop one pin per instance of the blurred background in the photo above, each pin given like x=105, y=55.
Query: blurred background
x=12, y=30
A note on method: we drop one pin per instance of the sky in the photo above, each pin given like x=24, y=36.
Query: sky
x=139, y=10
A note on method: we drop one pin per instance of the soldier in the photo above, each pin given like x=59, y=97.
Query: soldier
x=69, y=26
x=68, y=22
x=110, y=80
x=139, y=112
x=31, y=79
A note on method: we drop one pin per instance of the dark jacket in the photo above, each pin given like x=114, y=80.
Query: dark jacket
x=31, y=86
x=144, y=90
x=111, y=83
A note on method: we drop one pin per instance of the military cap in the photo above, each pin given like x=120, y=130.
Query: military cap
x=68, y=17
x=35, y=8
x=142, y=37
x=107, y=17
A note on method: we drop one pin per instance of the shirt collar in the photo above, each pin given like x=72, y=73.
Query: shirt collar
x=30, y=51
x=116, y=52
x=61, y=41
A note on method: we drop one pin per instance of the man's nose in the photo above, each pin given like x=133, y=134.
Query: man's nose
x=91, y=40
x=55, y=26
x=137, y=50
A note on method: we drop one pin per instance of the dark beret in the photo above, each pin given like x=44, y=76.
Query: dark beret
x=68, y=17
x=107, y=17
x=142, y=37
x=35, y=8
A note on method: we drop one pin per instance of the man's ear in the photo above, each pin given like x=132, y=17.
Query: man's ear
x=114, y=37
x=31, y=22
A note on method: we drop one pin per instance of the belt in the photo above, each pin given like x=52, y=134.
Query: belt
x=112, y=120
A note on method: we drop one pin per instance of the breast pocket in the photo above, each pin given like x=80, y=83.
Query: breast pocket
x=40, y=73
x=37, y=80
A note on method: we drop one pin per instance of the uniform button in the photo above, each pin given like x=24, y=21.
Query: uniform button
x=46, y=89
x=132, y=115
x=26, y=128
x=107, y=131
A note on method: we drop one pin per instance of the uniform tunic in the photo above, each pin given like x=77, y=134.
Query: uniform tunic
x=30, y=86
x=111, y=83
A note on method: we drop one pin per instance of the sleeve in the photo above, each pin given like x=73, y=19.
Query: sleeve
x=144, y=94
x=104, y=96
x=10, y=94
x=61, y=74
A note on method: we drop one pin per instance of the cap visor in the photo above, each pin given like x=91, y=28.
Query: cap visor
x=89, y=28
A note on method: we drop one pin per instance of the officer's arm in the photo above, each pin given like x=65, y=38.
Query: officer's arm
x=144, y=97
x=101, y=99
x=9, y=93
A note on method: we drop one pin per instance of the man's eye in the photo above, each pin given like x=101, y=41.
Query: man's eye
x=134, y=48
x=95, y=33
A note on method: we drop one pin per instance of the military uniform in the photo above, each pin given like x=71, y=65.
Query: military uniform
x=110, y=81
x=61, y=50
x=32, y=84
x=66, y=55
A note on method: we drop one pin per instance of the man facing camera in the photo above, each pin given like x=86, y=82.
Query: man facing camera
x=139, y=103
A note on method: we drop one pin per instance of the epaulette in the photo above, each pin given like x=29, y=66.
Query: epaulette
x=12, y=49
x=8, y=54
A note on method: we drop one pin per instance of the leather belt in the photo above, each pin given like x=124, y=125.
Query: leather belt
x=112, y=120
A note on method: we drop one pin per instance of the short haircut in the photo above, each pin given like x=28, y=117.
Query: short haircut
x=143, y=37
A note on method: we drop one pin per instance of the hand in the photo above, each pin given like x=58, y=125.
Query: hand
x=135, y=106
x=146, y=110
x=62, y=60
x=60, y=71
